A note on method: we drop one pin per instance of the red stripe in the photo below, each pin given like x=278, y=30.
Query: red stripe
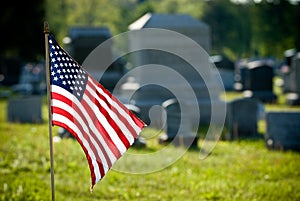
x=114, y=149
x=91, y=133
x=93, y=176
x=91, y=147
x=114, y=110
x=138, y=121
x=119, y=132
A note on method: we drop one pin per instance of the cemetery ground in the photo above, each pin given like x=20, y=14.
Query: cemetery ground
x=235, y=170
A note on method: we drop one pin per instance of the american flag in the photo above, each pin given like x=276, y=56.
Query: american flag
x=102, y=125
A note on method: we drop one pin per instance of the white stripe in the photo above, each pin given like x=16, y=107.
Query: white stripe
x=109, y=129
x=61, y=118
x=67, y=108
x=70, y=96
x=118, y=108
x=113, y=115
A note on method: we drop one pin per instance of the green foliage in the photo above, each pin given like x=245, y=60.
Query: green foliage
x=22, y=30
x=275, y=27
x=240, y=170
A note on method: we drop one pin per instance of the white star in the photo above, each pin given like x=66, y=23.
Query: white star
x=55, y=78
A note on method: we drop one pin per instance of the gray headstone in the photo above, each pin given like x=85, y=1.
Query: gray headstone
x=240, y=75
x=25, y=109
x=287, y=71
x=283, y=130
x=293, y=97
x=226, y=69
x=242, y=118
x=82, y=47
x=181, y=23
x=190, y=27
x=178, y=129
x=259, y=81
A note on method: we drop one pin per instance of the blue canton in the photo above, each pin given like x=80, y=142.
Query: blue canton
x=65, y=71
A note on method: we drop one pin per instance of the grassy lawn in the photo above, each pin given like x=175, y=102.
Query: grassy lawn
x=239, y=170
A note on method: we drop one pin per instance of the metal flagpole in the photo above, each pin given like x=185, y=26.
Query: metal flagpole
x=46, y=31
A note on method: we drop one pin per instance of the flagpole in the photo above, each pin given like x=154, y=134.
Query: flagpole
x=46, y=31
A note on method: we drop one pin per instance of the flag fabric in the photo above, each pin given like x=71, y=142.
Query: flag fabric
x=102, y=125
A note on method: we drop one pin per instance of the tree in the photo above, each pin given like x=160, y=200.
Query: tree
x=275, y=27
x=22, y=33
x=231, y=28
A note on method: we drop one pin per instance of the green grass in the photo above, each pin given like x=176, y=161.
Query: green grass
x=238, y=170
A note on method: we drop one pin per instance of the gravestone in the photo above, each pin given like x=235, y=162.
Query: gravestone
x=240, y=74
x=226, y=69
x=178, y=128
x=293, y=97
x=183, y=24
x=242, y=118
x=259, y=81
x=283, y=130
x=286, y=69
x=82, y=41
x=26, y=109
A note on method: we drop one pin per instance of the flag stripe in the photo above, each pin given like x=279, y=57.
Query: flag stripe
x=101, y=139
x=101, y=130
x=95, y=147
x=119, y=127
x=125, y=126
x=107, y=128
x=121, y=109
x=73, y=128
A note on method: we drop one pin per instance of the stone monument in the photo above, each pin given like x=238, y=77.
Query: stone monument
x=166, y=52
x=259, y=81
x=283, y=130
x=242, y=118
x=27, y=109
x=226, y=68
x=293, y=97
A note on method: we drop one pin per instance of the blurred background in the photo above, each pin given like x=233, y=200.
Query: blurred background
x=239, y=28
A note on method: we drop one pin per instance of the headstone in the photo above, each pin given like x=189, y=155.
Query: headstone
x=293, y=97
x=178, y=129
x=226, y=69
x=259, y=81
x=283, y=130
x=197, y=30
x=26, y=109
x=286, y=70
x=240, y=74
x=82, y=41
x=242, y=118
